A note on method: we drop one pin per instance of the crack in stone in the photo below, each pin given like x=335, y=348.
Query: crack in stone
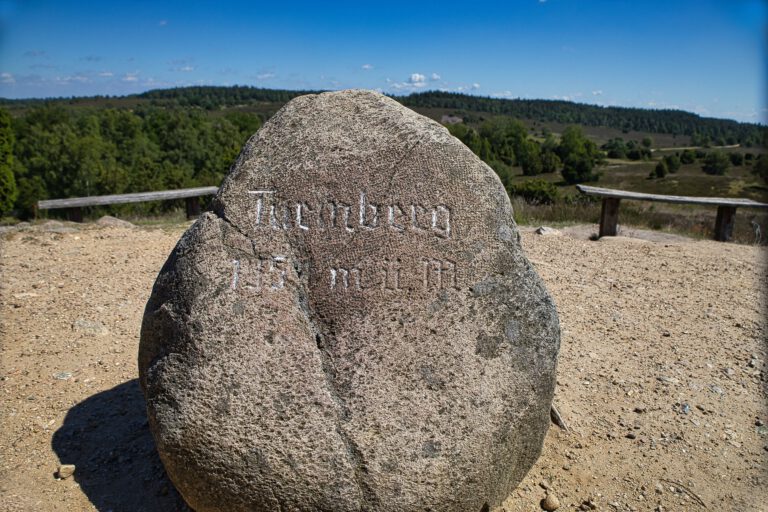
x=368, y=497
x=367, y=494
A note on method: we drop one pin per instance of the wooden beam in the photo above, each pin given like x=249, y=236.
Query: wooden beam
x=609, y=216
x=77, y=202
x=75, y=214
x=726, y=216
x=193, y=207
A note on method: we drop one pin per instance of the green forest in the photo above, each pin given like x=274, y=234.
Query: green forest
x=187, y=137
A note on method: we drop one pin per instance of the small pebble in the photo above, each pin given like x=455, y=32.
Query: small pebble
x=65, y=471
x=550, y=503
x=631, y=435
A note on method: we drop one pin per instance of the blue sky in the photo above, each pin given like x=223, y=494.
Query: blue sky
x=704, y=56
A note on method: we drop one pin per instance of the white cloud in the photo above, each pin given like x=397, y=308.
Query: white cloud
x=131, y=77
x=106, y=74
x=435, y=76
x=186, y=69
x=7, y=78
x=542, y=1
x=502, y=94
x=162, y=23
x=414, y=82
x=475, y=86
x=417, y=78
x=265, y=76
x=367, y=67
x=598, y=92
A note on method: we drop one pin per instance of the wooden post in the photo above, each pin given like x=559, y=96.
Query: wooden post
x=609, y=216
x=193, y=207
x=75, y=214
x=726, y=215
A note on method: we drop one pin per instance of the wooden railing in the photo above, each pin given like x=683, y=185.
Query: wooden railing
x=75, y=205
x=726, y=208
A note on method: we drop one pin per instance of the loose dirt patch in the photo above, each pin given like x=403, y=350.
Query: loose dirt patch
x=661, y=376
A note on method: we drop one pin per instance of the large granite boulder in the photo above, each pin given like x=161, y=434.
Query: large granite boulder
x=354, y=328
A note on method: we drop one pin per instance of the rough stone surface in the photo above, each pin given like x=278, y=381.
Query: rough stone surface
x=355, y=327
x=114, y=222
x=548, y=231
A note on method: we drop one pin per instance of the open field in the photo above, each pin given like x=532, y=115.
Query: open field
x=661, y=374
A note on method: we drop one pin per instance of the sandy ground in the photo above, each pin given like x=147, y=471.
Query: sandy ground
x=661, y=376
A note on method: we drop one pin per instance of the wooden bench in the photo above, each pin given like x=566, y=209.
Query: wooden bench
x=75, y=205
x=609, y=214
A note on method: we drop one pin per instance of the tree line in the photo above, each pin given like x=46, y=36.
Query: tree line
x=53, y=152
x=704, y=131
x=173, y=139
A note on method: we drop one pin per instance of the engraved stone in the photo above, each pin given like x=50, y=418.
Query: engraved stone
x=354, y=327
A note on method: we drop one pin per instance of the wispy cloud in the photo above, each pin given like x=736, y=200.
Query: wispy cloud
x=131, y=77
x=34, y=53
x=568, y=97
x=598, y=92
x=106, y=74
x=367, y=67
x=502, y=94
x=434, y=77
x=7, y=78
x=473, y=87
x=79, y=78
x=265, y=76
x=162, y=23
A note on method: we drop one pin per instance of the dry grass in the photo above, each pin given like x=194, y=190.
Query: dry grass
x=688, y=220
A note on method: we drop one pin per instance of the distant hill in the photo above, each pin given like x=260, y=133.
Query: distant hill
x=266, y=102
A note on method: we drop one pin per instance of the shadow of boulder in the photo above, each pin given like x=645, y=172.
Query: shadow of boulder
x=107, y=438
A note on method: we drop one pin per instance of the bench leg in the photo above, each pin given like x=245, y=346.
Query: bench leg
x=193, y=207
x=75, y=214
x=609, y=216
x=726, y=215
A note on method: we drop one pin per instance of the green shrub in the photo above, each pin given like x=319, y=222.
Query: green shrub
x=672, y=162
x=688, y=156
x=716, y=163
x=536, y=191
x=578, y=169
x=660, y=171
x=737, y=159
x=8, y=190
